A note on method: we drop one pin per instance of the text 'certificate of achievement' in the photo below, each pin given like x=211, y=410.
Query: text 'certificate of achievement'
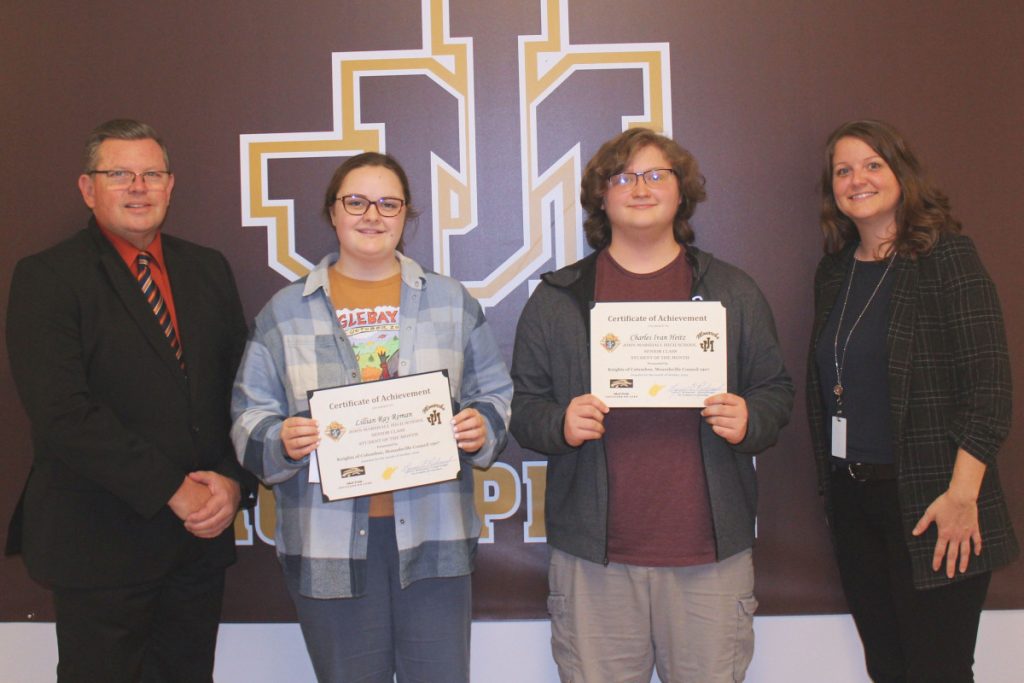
x=385, y=435
x=657, y=354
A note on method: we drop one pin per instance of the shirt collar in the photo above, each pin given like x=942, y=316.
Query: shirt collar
x=318, y=278
x=129, y=252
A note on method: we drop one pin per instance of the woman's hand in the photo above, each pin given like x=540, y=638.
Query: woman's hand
x=957, y=521
x=300, y=436
x=470, y=430
x=955, y=514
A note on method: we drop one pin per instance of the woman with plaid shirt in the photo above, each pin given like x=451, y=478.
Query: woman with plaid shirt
x=909, y=401
x=381, y=583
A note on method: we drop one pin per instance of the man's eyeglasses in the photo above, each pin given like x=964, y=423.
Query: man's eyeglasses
x=357, y=205
x=654, y=177
x=120, y=178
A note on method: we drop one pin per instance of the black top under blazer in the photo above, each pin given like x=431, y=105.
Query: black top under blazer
x=949, y=388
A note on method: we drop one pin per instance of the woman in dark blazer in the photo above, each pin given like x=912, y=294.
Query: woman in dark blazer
x=909, y=401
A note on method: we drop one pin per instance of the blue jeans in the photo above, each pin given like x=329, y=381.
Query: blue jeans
x=421, y=632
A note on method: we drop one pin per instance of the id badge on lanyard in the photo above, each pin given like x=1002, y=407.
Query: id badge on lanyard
x=839, y=436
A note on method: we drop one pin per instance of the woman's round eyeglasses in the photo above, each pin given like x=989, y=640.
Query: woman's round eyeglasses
x=357, y=205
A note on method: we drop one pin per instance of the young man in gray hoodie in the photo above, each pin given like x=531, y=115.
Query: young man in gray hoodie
x=649, y=511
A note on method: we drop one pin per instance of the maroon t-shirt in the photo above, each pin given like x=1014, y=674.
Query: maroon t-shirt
x=658, y=509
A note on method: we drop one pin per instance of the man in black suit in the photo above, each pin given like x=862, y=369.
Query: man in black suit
x=123, y=345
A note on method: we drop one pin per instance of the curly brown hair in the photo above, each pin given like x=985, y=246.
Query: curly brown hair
x=612, y=157
x=923, y=213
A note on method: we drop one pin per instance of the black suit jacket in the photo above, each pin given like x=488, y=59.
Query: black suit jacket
x=116, y=424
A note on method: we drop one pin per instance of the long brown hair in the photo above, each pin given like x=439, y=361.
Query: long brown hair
x=612, y=157
x=923, y=213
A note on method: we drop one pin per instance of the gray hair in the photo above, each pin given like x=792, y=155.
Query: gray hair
x=120, y=129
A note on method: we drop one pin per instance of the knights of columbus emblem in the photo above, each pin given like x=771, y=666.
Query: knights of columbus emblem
x=335, y=431
x=609, y=342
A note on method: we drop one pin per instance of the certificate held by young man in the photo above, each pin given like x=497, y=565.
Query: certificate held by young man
x=657, y=354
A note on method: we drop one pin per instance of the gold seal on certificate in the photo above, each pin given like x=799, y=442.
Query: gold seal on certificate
x=384, y=435
x=657, y=354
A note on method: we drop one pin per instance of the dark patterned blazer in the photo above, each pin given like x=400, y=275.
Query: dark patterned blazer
x=949, y=388
x=116, y=424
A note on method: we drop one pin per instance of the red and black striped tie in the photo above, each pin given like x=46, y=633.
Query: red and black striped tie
x=156, y=303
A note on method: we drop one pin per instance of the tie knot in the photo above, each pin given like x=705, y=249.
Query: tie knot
x=144, y=258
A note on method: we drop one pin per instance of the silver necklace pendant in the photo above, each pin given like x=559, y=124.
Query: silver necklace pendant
x=840, y=360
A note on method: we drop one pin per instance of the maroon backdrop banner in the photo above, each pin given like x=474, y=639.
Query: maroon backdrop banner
x=493, y=108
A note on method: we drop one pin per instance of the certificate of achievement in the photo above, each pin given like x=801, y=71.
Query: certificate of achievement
x=384, y=435
x=657, y=354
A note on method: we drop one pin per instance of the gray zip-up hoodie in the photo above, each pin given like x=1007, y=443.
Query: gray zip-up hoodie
x=551, y=366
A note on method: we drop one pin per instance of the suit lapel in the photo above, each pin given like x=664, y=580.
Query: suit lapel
x=830, y=290
x=828, y=287
x=188, y=297
x=191, y=284
x=127, y=290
